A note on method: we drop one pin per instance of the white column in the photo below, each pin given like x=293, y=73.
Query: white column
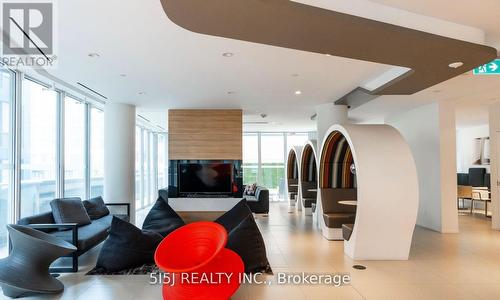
x=495, y=164
x=119, y=154
x=430, y=131
x=327, y=115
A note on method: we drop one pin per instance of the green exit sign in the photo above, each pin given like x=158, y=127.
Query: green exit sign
x=491, y=68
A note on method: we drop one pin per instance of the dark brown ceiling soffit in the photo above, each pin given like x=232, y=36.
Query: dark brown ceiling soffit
x=293, y=25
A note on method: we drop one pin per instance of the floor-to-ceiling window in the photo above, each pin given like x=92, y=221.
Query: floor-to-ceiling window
x=250, y=158
x=38, y=147
x=74, y=148
x=162, y=161
x=7, y=80
x=96, y=152
x=138, y=167
x=264, y=156
x=273, y=163
x=151, y=165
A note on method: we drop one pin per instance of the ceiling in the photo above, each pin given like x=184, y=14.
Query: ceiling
x=147, y=60
x=481, y=14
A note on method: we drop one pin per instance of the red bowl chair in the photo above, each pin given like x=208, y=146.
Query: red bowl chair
x=200, y=265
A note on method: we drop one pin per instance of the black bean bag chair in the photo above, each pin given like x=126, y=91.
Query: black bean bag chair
x=127, y=247
x=244, y=238
x=162, y=219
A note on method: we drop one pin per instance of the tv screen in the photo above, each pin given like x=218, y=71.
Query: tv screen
x=207, y=178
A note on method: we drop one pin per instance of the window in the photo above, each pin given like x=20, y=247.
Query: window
x=138, y=167
x=152, y=168
x=74, y=148
x=273, y=163
x=145, y=163
x=250, y=158
x=162, y=161
x=7, y=80
x=296, y=139
x=96, y=152
x=38, y=148
x=264, y=156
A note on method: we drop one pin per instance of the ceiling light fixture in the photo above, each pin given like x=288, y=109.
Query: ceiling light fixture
x=328, y=54
x=231, y=92
x=142, y=93
x=94, y=55
x=298, y=92
x=295, y=75
x=228, y=54
x=123, y=75
x=456, y=65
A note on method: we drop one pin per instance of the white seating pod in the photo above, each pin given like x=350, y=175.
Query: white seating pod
x=292, y=177
x=308, y=181
x=385, y=186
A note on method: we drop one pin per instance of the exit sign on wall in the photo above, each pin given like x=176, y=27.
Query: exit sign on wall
x=492, y=68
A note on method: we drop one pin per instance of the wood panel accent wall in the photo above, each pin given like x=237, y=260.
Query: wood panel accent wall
x=211, y=134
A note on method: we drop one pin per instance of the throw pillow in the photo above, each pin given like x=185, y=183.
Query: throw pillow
x=250, y=189
x=244, y=238
x=69, y=210
x=96, y=208
x=127, y=247
x=162, y=218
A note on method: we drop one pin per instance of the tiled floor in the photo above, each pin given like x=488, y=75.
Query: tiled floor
x=451, y=266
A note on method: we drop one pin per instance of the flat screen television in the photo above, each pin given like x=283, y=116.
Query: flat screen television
x=205, y=178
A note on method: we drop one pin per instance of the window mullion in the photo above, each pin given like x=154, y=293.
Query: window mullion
x=16, y=147
x=60, y=145
x=87, y=158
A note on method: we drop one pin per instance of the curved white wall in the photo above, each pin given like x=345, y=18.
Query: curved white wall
x=387, y=192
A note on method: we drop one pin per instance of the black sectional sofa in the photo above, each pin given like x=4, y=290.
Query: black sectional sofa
x=477, y=177
x=83, y=237
x=258, y=203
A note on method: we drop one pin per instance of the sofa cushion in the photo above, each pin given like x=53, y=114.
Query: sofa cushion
x=69, y=210
x=162, y=219
x=251, y=198
x=96, y=208
x=336, y=220
x=88, y=235
x=43, y=218
x=127, y=247
x=244, y=238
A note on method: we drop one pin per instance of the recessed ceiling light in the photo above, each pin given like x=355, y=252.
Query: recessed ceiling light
x=123, y=75
x=94, y=55
x=142, y=93
x=295, y=75
x=456, y=65
x=228, y=54
x=298, y=92
x=231, y=92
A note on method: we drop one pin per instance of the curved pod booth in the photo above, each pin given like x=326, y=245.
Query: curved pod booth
x=373, y=165
x=292, y=176
x=308, y=181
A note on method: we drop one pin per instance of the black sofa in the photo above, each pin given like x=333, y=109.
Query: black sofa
x=258, y=203
x=83, y=237
x=477, y=177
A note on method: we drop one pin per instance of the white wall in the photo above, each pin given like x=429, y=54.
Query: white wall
x=430, y=132
x=465, y=146
x=495, y=163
